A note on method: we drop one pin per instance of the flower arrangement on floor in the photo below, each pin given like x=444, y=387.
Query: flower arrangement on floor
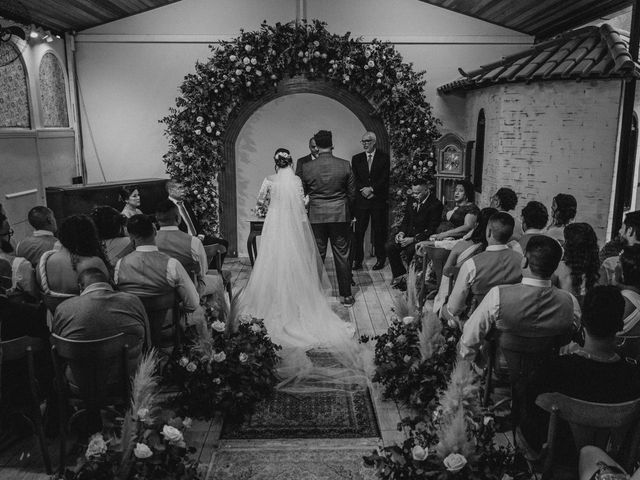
x=150, y=444
x=251, y=65
x=455, y=441
x=225, y=370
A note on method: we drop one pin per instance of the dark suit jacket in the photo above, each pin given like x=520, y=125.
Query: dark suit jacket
x=329, y=182
x=194, y=219
x=300, y=163
x=378, y=179
x=423, y=222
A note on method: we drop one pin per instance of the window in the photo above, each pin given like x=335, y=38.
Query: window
x=53, y=93
x=629, y=175
x=478, y=161
x=14, y=90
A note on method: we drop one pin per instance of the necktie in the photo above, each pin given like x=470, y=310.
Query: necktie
x=369, y=160
x=187, y=219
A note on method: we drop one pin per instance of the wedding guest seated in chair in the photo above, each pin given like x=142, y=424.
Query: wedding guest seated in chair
x=189, y=221
x=130, y=196
x=497, y=265
x=629, y=235
x=595, y=464
x=421, y=218
x=629, y=336
x=505, y=200
x=58, y=270
x=593, y=372
x=43, y=237
x=189, y=251
x=458, y=221
x=534, y=218
x=100, y=311
x=110, y=225
x=563, y=211
x=17, y=276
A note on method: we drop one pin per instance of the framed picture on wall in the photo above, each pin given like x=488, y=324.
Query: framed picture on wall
x=450, y=161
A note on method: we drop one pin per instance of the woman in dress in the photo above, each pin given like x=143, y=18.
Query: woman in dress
x=563, y=211
x=110, y=225
x=287, y=286
x=578, y=271
x=130, y=195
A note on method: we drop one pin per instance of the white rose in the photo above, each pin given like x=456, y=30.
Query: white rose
x=198, y=131
x=217, y=133
x=346, y=78
x=254, y=61
x=142, y=414
x=455, y=462
x=246, y=60
x=378, y=81
x=371, y=64
x=172, y=434
x=389, y=345
x=233, y=58
x=316, y=54
x=219, y=357
x=324, y=55
x=418, y=453
x=243, y=357
x=191, y=367
x=183, y=361
x=248, y=84
x=213, y=124
x=238, y=71
x=97, y=446
x=258, y=73
x=379, y=74
x=273, y=77
x=407, y=358
x=218, y=326
x=367, y=53
x=199, y=119
x=316, y=43
x=187, y=422
x=209, y=129
x=300, y=54
x=245, y=318
x=408, y=320
x=217, y=381
x=248, y=68
x=248, y=48
x=255, y=328
x=142, y=451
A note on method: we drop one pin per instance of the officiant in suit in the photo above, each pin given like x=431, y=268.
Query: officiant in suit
x=329, y=183
x=313, y=148
x=371, y=173
x=189, y=221
x=422, y=216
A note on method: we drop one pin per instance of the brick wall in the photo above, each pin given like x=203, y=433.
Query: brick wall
x=547, y=138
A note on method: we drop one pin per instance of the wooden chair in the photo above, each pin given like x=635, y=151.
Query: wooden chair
x=22, y=349
x=93, y=374
x=607, y=426
x=216, y=251
x=164, y=320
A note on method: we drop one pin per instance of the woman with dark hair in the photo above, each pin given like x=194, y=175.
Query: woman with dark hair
x=461, y=252
x=58, y=270
x=110, y=225
x=630, y=266
x=130, y=195
x=578, y=270
x=563, y=211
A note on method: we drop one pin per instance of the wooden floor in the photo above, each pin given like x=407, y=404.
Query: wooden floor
x=370, y=314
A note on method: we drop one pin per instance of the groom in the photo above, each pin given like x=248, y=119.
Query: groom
x=329, y=182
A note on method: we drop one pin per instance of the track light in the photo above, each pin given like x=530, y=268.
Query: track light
x=34, y=34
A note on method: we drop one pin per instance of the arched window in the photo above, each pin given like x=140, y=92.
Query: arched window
x=14, y=88
x=630, y=172
x=53, y=92
x=478, y=161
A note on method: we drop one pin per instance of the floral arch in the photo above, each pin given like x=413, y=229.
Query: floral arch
x=253, y=66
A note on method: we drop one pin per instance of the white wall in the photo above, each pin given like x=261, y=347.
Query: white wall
x=130, y=69
x=286, y=122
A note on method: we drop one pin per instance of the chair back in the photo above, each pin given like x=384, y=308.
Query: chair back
x=164, y=319
x=21, y=349
x=629, y=346
x=604, y=425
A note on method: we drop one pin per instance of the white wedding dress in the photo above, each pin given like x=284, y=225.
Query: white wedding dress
x=287, y=289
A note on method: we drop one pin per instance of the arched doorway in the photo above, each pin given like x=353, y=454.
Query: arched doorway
x=360, y=107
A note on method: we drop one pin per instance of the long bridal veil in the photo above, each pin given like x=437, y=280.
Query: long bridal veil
x=288, y=289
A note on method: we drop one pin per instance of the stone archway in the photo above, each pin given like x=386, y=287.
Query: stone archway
x=357, y=104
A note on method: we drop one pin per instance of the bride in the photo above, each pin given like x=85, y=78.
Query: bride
x=288, y=286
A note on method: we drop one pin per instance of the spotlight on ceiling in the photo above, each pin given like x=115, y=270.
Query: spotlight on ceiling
x=34, y=34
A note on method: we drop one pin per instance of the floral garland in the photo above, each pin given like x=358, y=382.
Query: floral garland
x=252, y=64
x=225, y=370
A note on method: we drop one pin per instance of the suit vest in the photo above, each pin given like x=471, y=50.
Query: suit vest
x=144, y=274
x=177, y=244
x=493, y=268
x=32, y=248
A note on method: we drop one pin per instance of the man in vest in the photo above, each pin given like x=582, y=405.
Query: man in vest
x=534, y=218
x=533, y=308
x=189, y=251
x=43, y=237
x=497, y=265
x=16, y=273
x=629, y=236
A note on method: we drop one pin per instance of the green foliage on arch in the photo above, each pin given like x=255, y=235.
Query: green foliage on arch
x=251, y=65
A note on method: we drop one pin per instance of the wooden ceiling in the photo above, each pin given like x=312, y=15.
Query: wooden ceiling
x=540, y=18
x=74, y=15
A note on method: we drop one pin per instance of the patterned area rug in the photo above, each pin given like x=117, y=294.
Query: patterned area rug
x=310, y=464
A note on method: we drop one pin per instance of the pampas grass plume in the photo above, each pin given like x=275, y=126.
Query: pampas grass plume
x=454, y=437
x=430, y=336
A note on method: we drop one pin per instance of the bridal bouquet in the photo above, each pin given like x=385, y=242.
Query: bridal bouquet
x=261, y=208
x=227, y=369
x=148, y=445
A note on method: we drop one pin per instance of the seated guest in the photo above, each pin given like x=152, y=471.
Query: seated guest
x=130, y=195
x=578, y=270
x=16, y=273
x=421, y=218
x=630, y=266
x=534, y=218
x=188, y=250
x=43, y=237
x=459, y=221
x=595, y=464
x=629, y=235
x=497, y=265
x=533, y=308
x=147, y=272
x=189, y=221
x=18, y=318
x=593, y=372
x=563, y=211
x=460, y=253
x=58, y=270
x=110, y=225
x=505, y=200
x=100, y=312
